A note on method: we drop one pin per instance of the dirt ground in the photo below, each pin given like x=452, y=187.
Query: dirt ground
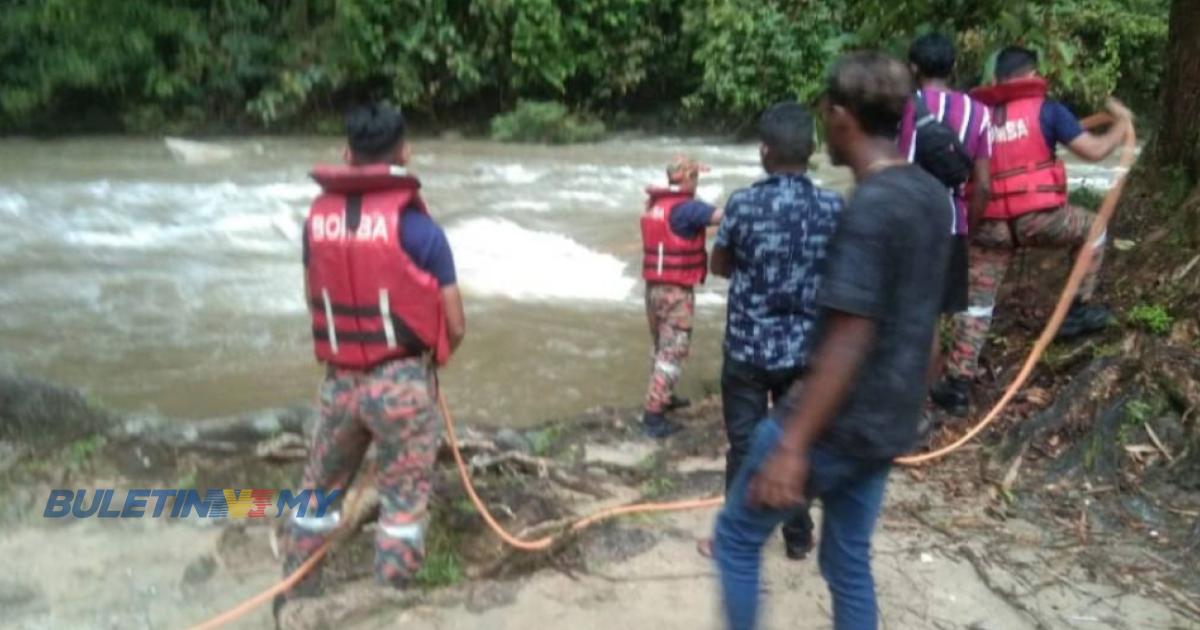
x=940, y=562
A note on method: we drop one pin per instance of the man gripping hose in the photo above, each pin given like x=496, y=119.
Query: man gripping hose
x=386, y=310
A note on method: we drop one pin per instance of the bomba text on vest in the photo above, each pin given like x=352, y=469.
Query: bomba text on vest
x=332, y=227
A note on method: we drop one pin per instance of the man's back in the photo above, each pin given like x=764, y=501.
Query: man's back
x=776, y=231
x=967, y=117
x=887, y=262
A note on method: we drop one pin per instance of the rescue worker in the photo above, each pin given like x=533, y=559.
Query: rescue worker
x=771, y=245
x=1027, y=207
x=386, y=310
x=860, y=401
x=674, y=261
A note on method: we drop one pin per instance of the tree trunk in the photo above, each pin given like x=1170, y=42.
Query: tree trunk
x=1164, y=188
x=1179, y=139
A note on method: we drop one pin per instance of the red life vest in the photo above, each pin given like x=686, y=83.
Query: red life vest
x=1027, y=176
x=369, y=301
x=670, y=258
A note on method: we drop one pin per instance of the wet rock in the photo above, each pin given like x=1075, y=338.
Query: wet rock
x=199, y=570
x=10, y=454
x=621, y=455
x=613, y=543
x=512, y=440
x=21, y=597
x=41, y=414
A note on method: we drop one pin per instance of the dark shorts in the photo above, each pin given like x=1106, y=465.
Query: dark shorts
x=955, y=300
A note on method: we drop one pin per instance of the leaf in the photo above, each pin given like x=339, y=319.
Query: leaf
x=1124, y=244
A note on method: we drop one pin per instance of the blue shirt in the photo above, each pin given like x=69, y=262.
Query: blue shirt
x=776, y=232
x=1059, y=125
x=690, y=218
x=425, y=243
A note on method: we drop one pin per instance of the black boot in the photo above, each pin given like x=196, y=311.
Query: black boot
x=677, y=403
x=1083, y=319
x=953, y=395
x=656, y=425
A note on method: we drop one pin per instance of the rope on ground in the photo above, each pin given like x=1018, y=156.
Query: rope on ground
x=1048, y=333
x=1095, y=239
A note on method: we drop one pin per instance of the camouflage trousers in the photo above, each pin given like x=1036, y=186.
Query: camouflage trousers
x=393, y=406
x=669, y=310
x=991, y=252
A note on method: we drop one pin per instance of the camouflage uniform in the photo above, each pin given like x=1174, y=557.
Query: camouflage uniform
x=669, y=310
x=992, y=247
x=393, y=405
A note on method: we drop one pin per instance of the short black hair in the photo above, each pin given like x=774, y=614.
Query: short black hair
x=873, y=87
x=933, y=55
x=1015, y=60
x=373, y=131
x=787, y=129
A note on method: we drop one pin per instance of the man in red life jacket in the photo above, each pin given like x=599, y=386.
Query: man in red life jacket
x=1027, y=207
x=674, y=261
x=385, y=306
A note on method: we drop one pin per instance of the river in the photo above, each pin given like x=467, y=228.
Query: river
x=168, y=282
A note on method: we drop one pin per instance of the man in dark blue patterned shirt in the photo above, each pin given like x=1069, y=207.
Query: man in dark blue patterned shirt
x=770, y=244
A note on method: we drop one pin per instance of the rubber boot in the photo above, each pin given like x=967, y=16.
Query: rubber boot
x=678, y=403
x=953, y=395
x=1083, y=319
x=656, y=425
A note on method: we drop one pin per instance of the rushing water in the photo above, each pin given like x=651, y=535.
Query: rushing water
x=156, y=282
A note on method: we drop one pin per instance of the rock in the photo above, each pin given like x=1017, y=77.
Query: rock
x=621, y=455
x=199, y=570
x=512, y=440
x=689, y=465
x=18, y=596
x=613, y=543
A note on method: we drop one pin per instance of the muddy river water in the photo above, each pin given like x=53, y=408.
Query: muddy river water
x=170, y=281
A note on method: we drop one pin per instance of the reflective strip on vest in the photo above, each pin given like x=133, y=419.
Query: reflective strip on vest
x=385, y=312
x=329, y=320
x=411, y=532
x=660, y=258
x=318, y=524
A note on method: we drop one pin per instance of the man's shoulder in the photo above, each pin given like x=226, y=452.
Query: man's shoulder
x=418, y=228
x=827, y=198
x=895, y=190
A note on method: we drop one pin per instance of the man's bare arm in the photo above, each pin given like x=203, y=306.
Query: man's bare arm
x=456, y=319
x=721, y=262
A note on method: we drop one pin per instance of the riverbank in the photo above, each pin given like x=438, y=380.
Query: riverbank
x=951, y=551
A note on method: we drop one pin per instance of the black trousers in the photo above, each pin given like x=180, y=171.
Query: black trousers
x=747, y=392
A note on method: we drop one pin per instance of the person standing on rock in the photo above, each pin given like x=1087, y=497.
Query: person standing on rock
x=674, y=261
x=860, y=402
x=1027, y=208
x=386, y=310
x=770, y=245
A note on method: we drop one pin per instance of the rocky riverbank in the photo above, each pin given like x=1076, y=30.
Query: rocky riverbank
x=956, y=548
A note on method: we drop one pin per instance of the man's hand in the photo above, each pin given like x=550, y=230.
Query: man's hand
x=1118, y=109
x=780, y=483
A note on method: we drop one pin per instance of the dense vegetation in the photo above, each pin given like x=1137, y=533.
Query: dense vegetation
x=149, y=65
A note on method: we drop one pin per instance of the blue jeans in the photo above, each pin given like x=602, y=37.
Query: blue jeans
x=851, y=491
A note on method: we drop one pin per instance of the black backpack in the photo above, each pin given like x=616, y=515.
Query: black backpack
x=938, y=149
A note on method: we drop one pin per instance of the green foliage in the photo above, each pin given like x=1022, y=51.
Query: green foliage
x=177, y=64
x=1085, y=197
x=1152, y=318
x=754, y=52
x=548, y=122
x=443, y=564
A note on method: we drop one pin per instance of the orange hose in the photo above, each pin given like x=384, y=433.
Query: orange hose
x=1043, y=341
x=1082, y=259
